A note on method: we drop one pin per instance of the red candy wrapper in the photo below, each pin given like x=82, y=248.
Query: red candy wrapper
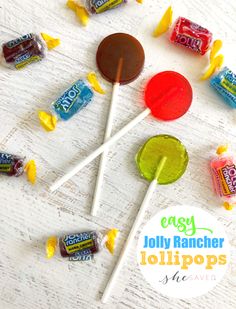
x=191, y=35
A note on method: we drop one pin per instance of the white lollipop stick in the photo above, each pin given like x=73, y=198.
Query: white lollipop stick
x=98, y=186
x=99, y=150
x=132, y=233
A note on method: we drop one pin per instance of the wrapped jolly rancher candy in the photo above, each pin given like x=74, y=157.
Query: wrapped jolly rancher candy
x=223, y=170
x=225, y=84
x=75, y=98
x=100, y=6
x=81, y=246
x=186, y=33
x=13, y=165
x=29, y=48
x=191, y=35
x=84, y=8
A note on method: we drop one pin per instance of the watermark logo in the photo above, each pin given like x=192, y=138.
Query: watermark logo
x=183, y=252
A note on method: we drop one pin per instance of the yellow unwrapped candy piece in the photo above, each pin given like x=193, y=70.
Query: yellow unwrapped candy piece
x=71, y=4
x=164, y=23
x=216, y=46
x=51, y=246
x=82, y=14
x=80, y=11
x=50, y=41
x=47, y=121
x=92, y=78
x=111, y=237
x=139, y=1
x=31, y=171
x=216, y=64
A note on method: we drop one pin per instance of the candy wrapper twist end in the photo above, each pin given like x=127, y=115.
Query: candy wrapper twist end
x=228, y=206
x=47, y=121
x=92, y=79
x=50, y=41
x=51, y=246
x=165, y=23
x=222, y=149
x=31, y=171
x=110, y=241
x=80, y=11
x=216, y=62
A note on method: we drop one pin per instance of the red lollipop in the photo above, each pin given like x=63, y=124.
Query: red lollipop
x=168, y=96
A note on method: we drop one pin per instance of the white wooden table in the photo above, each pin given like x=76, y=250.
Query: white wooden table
x=29, y=214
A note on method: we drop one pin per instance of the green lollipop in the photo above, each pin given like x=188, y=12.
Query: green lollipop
x=154, y=150
x=161, y=160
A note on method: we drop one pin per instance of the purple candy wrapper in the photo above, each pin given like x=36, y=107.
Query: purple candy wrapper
x=100, y=6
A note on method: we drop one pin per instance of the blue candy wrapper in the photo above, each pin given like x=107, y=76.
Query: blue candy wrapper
x=225, y=84
x=75, y=98
x=72, y=100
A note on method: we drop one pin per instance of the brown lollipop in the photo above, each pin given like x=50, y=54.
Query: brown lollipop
x=120, y=48
x=120, y=59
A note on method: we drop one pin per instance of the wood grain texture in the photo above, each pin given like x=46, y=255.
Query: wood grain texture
x=28, y=215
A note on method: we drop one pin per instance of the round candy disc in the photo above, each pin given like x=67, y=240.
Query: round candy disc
x=168, y=95
x=153, y=150
x=116, y=47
